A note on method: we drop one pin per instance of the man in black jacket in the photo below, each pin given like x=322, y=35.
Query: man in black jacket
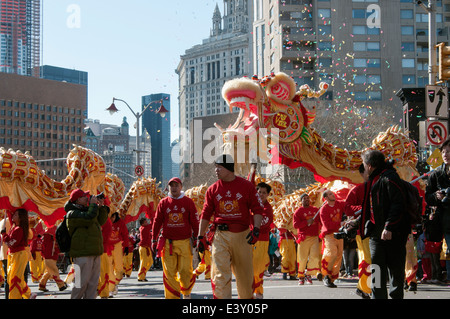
x=386, y=222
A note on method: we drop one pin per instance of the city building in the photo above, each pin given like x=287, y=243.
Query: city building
x=158, y=130
x=115, y=145
x=20, y=41
x=204, y=68
x=42, y=117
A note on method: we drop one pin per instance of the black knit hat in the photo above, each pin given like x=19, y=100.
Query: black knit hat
x=226, y=161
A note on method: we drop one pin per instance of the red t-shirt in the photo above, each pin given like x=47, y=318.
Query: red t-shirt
x=119, y=233
x=177, y=217
x=300, y=221
x=231, y=202
x=106, y=233
x=331, y=217
x=14, y=239
x=354, y=200
x=266, y=222
x=145, y=234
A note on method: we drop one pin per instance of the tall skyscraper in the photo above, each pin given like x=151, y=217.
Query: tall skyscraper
x=20, y=36
x=158, y=129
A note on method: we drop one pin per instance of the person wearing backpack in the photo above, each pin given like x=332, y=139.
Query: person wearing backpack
x=436, y=195
x=387, y=223
x=85, y=216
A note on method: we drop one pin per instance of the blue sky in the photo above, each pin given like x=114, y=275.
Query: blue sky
x=129, y=48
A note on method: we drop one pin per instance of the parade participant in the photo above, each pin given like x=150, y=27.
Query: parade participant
x=37, y=262
x=229, y=201
x=145, y=247
x=261, y=260
x=386, y=221
x=128, y=258
x=330, y=217
x=411, y=265
x=50, y=252
x=288, y=254
x=16, y=240
x=119, y=240
x=176, y=215
x=308, y=249
x=85, y=216
x=204, y=265
x=105, y=282
x=353, y=204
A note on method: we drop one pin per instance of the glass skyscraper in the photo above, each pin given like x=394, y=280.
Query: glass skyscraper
x=159, y=130
x=20, y=36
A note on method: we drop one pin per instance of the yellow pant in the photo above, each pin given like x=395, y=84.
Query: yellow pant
x=18, y=288
x=146, y=261
x=288, y=256
x=411, y=264
x=51, y=272
x=117, y=259
x=178, y=272
x=103, y=282
x=37, y=267
x=364, y=262
x=261, y=261
x=70, y=276
x=128, y=264
x=231, y=254
x=205, y=265
x=332, y=256
x=308, y=254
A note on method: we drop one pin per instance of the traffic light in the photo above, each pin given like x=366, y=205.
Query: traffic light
x=444, y=62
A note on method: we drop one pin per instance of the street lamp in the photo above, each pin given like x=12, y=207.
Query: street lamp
x=162, y=111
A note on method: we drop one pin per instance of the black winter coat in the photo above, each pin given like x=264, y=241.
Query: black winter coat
x=439, y=180
x=388, y=204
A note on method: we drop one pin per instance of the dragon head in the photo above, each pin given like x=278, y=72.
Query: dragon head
x=271, y=103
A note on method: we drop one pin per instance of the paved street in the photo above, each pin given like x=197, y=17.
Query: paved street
x=274, y=288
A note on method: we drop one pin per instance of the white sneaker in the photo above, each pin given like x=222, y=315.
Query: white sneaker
x=116, y=289
x=259, y=296
x=33, y=295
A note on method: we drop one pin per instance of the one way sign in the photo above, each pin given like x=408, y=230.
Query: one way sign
x=436, y=101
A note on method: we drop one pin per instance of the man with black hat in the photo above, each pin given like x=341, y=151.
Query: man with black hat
x=177, y=216
x=85, y=216
x=230, y=201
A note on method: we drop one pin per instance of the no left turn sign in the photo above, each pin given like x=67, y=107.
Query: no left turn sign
x=437, y=132
x=139, y=170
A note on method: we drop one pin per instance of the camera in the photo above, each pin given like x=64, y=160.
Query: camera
x=348, y=231
x=446, y=192
x=99, y=196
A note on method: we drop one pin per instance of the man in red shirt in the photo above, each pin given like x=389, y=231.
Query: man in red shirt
x=229, y=201
x=145, y=247
x=353, y=205
x=261, y=258
x=119, y=241
x=177, y=216
x=331, y=218
x=308, y=249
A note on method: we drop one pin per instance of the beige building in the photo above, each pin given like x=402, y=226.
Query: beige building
x=42, y=117
x=204, y=68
